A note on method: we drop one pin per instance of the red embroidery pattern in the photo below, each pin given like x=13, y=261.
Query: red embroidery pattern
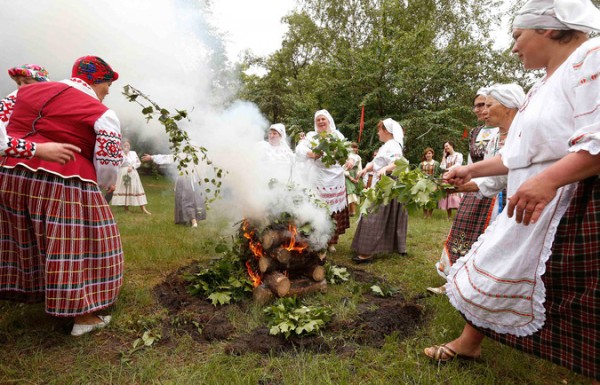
x=109, y=148
x=19, y=148
x=7, y=105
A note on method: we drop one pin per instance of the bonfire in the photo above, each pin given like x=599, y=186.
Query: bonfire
x=284, y=251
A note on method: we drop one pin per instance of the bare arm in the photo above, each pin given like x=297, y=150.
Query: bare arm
x=534, y=194
x=489, y=167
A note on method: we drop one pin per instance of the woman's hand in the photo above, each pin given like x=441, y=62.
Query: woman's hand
x=467, y=187
x=530, y=200
x=56, y=152
x=146, y=158
x=129, y=169
x=361, y=173
x=458, y=176
x=312, y=155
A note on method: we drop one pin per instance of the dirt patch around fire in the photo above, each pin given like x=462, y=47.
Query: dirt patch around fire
x=375, y=318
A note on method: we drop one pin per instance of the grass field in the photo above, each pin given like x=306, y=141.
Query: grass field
x=36, y=348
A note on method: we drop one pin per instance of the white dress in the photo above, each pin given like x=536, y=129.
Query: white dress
x=498, y=284
x=275, y=161
x=328, y=183
x=128, y=189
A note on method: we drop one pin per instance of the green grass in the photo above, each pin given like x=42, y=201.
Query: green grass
x=36, y=348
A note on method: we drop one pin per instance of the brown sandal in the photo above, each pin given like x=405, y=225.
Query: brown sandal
x=442, y=353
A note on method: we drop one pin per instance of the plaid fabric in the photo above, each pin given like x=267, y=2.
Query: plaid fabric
x=383, y=231
x=472, y=218
x=342, y=222
x=58, y=242
x=570, y=335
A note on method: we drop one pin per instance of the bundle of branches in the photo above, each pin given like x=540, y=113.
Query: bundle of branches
x=409, y=186
x=180, y=143
x=331, y=149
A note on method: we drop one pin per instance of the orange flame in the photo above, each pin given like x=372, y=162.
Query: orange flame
x=255, y=278
x=255, y=247
x=292, y=246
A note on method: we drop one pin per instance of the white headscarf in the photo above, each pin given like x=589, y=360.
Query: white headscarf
x=483, y=91
x=280, y=128
x=509, y=95
x=395, y=129
x=326, y=114
x=580, y=15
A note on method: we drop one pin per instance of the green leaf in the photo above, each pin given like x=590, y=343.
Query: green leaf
x=377, y=290
x=220, y=298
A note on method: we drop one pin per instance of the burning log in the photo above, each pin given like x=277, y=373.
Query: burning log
x=316, y=272
x=271, y=238
x=267, y=264
x=283, y=256
x=278, y=283
x=262, y=295
x=305, y=287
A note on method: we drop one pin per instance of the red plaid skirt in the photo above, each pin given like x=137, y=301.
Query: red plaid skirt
x=570, y=335
x=472, y=218
x=59, y=242
x=342, y=222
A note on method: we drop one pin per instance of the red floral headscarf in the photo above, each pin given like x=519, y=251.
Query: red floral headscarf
x=93, y=70
x=33, y=71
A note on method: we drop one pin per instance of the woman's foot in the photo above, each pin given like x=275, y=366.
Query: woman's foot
x=467, y=346
x=89, y=322
x=145, y=211
x=437, y=290
x=331, y=249
x=444, y=353
x=194, y=223
x=362, y=259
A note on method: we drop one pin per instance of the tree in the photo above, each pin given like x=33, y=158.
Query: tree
x=417, y=61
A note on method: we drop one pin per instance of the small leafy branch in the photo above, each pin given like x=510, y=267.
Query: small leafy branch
x=331, y=149
x=335, y=274
x=223, y=282
x=180, y=145
x=411, y=187
x=288, y=316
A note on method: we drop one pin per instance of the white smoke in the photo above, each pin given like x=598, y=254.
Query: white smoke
x=168, y=50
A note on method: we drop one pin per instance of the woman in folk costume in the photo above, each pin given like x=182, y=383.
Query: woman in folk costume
x=328, y=183
x=190, y=206
x=484, y=199
x=450, y=160
x=59, y=241
x=430, y=167
x=480, y=136
x=532, y=280
x=383, y=231
x=275, y=156
x=22, y=148
x=128, y=189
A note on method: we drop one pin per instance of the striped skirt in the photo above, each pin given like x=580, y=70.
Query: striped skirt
x=570, y=335
x=59, y=242
x=382, y=231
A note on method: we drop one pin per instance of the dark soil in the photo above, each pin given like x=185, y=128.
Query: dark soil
x=378, y=317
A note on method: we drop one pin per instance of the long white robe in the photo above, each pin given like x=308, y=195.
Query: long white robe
x=498, y=284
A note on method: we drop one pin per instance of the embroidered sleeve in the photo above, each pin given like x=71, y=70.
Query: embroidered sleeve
x=587, y=101
x=107, y=150
x=17, y=148
x=7, y=106
x=6, y=109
